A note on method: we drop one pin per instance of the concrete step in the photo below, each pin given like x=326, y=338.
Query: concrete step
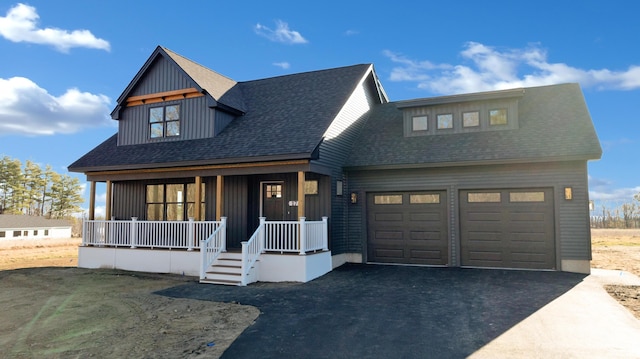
x=220, y=281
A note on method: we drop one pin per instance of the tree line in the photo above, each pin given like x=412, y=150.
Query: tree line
x=32, y=190
x=625, y=215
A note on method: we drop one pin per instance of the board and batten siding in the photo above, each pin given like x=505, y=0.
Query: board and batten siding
x=337, y=144
x=196, y=121
x=572, y=231
x=161, y=76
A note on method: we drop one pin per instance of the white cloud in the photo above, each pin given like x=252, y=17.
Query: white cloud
x=601, y=191
x=20, y=25
x=282, y=33
x=486, y=68
x=285, y=65
x=27, y=109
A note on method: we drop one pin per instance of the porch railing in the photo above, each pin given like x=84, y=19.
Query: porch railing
x=147, y=234
x=211, y=247
x=296, y=236
x=251, y=250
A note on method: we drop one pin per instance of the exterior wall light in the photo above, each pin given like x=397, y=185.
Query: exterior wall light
x=568, y=193
x=354, y=197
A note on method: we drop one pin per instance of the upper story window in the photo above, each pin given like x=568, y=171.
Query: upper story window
x=420, y=123
x=459, y=117
x=471, y=119
x=164, y=121
x=498, y=117
x=445, y=121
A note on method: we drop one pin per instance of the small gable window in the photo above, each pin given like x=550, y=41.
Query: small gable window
x=164, y=121
x=445, y=121
x=471, y=119
x=420, y=123
x=498, y=117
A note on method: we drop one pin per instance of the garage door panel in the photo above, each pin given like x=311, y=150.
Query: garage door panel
x=426, y=217
x=484, y=216
x=389, y=217
x=389, y=254
x=412, y=230
x=516, y=232
x=528, y=217
x=389, y=235
x=485, y=256
x=425, y=236
x=484, y=236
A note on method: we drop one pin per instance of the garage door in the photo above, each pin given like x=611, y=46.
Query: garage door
x=407, y=227
x=507, y=228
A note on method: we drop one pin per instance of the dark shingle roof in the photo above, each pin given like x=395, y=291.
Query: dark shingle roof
x=286, y=118
x=15, y=221
x=554, y=124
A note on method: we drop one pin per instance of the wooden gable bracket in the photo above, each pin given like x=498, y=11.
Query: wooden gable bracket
x=163, y=96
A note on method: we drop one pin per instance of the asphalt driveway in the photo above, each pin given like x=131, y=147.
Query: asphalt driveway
x=375, y=311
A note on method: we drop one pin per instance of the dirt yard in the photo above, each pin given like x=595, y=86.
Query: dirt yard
x=619, y=249
x=53, y=310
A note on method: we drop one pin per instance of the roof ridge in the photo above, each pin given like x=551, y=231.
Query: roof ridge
x=308, y=72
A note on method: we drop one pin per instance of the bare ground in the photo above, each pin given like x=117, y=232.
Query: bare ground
x=619, y=249
x=51, y=309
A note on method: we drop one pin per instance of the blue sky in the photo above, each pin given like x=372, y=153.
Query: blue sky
x=63, y=64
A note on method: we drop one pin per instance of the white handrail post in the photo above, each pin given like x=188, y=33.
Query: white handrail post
x=325, y=234
x=245, y=256
x=134, y=231
x=223, y=234
x=261, y=234
x=203, y=258
x=84, y=232
x=190, y=235
x=109, y=237
x=303, y=236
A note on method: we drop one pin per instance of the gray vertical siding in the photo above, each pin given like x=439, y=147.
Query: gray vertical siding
x=197, y=120
x=129, y=200
x=571, y=217
x=235, y=206
x=161, y=76
x=335, y=149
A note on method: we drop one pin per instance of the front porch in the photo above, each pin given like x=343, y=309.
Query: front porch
x=277, y=251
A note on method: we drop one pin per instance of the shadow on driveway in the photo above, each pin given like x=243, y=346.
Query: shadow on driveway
x=376, y=311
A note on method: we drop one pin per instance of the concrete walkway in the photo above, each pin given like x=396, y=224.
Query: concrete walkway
x=585, y=322
x=375, y=311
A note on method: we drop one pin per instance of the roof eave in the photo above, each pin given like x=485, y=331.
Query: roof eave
x=169, y=165
x=585, y=157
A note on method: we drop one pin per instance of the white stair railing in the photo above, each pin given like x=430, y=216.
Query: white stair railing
x=211, y=247
x=251, y=250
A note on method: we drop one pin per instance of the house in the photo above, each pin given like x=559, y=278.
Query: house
x=14, y=226
x=285, y=178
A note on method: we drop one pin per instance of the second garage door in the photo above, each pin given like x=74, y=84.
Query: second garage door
x=507, y=228
x=407, y=227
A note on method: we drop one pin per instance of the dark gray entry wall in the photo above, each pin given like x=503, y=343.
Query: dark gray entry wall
x=571, y=217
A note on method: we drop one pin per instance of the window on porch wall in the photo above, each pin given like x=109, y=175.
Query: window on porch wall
x=174, y=202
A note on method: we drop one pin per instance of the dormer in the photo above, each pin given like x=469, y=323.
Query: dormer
x=173, y=98
x=487, y=111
